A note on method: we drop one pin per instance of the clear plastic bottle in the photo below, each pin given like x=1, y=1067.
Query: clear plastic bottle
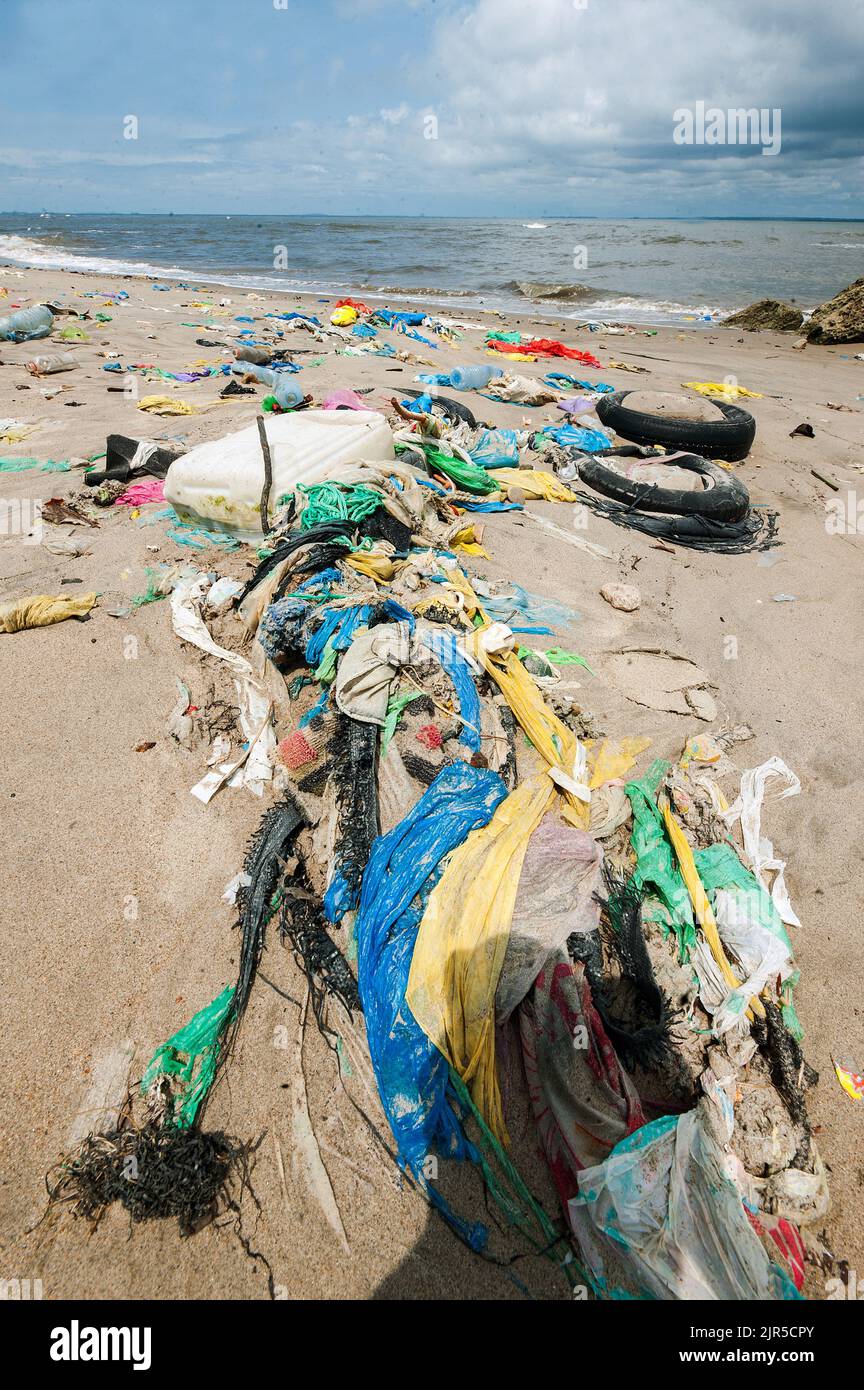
x=265, y=375
x=24, y=324
x=473, y=378
x=52, y=362
x=287, y=395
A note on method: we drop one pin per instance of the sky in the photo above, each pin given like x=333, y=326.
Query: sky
x=428, y=107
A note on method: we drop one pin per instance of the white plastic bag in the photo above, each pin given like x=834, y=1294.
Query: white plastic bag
x=662, y=1217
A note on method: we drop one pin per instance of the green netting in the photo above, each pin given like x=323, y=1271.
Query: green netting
x=337, y=502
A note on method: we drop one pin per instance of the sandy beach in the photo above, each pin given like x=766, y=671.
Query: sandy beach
x=115, y=927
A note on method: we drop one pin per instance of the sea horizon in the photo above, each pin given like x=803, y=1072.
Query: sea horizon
x=650, y=271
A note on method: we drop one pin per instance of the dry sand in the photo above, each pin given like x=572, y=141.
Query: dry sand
x=114, y=928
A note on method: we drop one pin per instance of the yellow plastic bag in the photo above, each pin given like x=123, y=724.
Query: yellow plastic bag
x=166, y=405
x=534, y=483
x=344, y=317
x=373, y=563
x=40, y=610
x=726, y=389
x=462, y=941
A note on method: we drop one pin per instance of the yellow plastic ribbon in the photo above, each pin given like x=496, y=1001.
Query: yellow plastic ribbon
x=701, y=905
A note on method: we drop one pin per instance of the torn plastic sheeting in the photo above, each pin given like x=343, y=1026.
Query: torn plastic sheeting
x=610, y=759
x=556, y=896
x=444, y=647
x=748, y=809
x=663, y=1210
x=462, y=942
x=656, y=867
x=750, y=928
x=579, y=437
x=190, y=1057
x=583, y=1101
x=495, y=449
x=254, y=704
x=531, y=607
x=227, y=771
x=412, y=1074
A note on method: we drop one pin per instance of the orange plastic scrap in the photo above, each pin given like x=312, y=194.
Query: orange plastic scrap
x=851, y=1081
x=701, y=905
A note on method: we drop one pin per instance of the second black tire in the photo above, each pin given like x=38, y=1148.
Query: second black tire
x=727, y=499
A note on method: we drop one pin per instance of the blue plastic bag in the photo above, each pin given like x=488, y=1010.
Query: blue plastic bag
x=412, y=1075
x=496, y=449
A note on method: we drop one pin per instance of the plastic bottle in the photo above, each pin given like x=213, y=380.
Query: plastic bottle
x=288, y=396
x=265, y=375
x=260, y=356
x=52, y=362
x=473, y=378
x=20, y=327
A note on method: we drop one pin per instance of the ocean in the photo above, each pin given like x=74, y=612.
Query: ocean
x=685, y=272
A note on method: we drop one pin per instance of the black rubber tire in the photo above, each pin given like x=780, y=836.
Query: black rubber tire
x=726, y=500
x=730, y=438
x=455, y=411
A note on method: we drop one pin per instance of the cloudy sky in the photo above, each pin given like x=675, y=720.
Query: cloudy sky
x=536, y=107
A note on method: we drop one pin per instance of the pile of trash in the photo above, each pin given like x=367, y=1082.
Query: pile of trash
x=459, y=863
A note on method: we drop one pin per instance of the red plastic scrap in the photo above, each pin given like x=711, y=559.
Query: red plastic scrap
x=295, y=750
x=430, y=736
x=545, y=347
x=355, y=304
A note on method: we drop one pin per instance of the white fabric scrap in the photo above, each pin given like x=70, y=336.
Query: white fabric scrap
x=255, y=705
x=748, y=809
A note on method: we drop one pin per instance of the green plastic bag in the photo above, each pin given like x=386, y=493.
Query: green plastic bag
x=466, y=476
x=191, y=1056
x=656, y=865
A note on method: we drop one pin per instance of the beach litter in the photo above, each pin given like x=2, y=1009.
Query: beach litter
x=466, y=870
x=41, y=610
